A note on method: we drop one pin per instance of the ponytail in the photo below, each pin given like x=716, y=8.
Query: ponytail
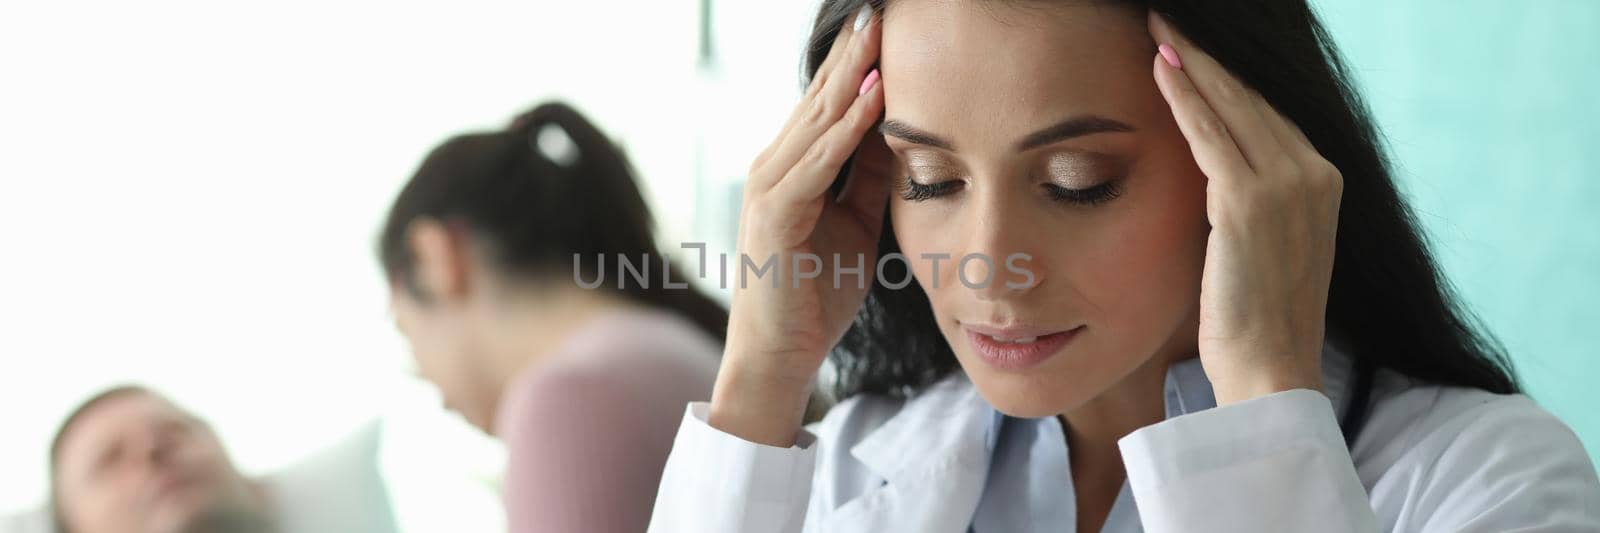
x=548, y=188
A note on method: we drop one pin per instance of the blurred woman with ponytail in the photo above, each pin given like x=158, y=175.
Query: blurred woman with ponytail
x=582, y=384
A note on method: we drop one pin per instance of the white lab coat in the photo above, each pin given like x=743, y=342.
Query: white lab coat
x=1429, y=458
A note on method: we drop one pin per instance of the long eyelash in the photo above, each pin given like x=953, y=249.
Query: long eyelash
x=1095, y=195
x=917, y=192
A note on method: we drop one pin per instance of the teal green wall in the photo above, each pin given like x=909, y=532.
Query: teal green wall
x=1492, y=113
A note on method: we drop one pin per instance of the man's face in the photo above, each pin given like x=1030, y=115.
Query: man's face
x=136, y=463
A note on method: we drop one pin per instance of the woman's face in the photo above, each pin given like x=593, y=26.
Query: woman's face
x=1027, y=128
x=445, y=349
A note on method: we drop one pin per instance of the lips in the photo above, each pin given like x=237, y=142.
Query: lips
x=1017, y=347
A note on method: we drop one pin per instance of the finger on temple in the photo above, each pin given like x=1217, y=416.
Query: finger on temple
x=1236, y=103
x=1209, y=140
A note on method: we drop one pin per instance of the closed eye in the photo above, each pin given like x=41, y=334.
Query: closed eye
x=912, y=191
x=1104, y=192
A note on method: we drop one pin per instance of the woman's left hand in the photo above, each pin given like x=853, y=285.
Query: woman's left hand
x=1273, y=205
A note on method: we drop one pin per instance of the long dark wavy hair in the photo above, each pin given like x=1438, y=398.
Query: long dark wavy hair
x=1387, y=300
x=536, y=210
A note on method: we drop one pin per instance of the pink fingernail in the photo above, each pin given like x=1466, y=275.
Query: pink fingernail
x=866, y=84
x=1170, y=55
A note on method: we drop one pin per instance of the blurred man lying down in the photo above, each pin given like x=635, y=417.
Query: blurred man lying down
x=131, y=461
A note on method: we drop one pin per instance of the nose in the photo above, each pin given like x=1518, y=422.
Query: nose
x=999, y=261
x=156, y=447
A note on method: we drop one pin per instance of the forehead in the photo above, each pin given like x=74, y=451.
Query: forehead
x=961, y=67
x=109, y=417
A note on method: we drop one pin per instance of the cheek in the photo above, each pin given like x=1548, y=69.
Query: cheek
x=427, y=360
x=440, y=359
x=459, y=386
x=1141, y=270
x=107, y=506
x=438, y=366
x=211, y=457
x=924, y=229
x=928, y=228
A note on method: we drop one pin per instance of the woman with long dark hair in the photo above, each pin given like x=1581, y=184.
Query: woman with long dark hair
x=1140, y=265
x=484, y=248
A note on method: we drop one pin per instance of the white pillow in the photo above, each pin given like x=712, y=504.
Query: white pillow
x=337, y=490
x=33, y=521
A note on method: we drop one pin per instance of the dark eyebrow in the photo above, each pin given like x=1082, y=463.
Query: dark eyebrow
x=1070, y=128
x=1066, y=129
x=904, y=131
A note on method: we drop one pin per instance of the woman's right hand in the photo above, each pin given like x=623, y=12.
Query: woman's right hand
x=779, y=335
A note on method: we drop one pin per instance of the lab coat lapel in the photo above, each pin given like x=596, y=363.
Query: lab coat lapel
x=934, y=454
x=933, y=457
